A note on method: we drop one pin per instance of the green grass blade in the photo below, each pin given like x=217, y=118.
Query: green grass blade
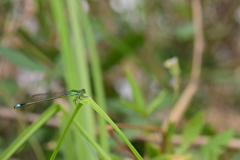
x=69, y=139
x=85, y=135
x=80, y=58
x=156, y=102
x=5, y=87
x=81, y=70
x=65, y=47
x=90, y=148
x=29, y=131
x=67, y=56
x=137, y=93
x=20, y=59
x=65, y=131
x=134, y=107
x=108, y=119
x=97, y=78
x=37, y=148
x=33, y=50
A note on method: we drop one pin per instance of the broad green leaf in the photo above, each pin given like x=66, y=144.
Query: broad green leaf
x=191, y=131
x=136, y=91
x=20, y=59
x=156, y=102
x=90, y=148
x=213, y=149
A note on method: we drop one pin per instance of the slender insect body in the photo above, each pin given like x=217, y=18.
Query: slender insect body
x=78, y=93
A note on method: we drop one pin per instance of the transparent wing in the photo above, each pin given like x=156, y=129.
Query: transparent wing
x=42, y=96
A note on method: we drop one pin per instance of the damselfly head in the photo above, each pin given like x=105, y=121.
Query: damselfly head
x=83, y=91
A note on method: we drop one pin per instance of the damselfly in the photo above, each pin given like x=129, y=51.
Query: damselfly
x=42, y=97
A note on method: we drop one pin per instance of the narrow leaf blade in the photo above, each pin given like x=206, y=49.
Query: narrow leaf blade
x=90, y=148
x=156, y=102
x=20, y=59
x=137, y=94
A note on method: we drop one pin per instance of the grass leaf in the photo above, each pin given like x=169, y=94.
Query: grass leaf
x=108, y=119
x=136, y=91
x=90, y=148
x=29, y=131
x=156, y=102
x=134, y=107
x=85, y=135
x=65, y=131
x=20, y=59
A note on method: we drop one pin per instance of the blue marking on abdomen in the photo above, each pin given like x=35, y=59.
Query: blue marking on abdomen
x=19, y=105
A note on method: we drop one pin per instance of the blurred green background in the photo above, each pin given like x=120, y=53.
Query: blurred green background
x=117, y=50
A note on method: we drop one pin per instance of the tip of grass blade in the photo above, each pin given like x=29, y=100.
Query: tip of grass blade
x=84, y=100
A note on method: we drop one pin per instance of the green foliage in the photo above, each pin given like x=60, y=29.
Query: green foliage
x=66, y=37
x=53, y=110
x=76, y=69
x=65, y=131
x=29, y=132
x=236, y=157
x=152, y=151
x=156, y=102
x=20, y=59
x=214, y=148
x=133, y=106
x=90, y=148
x=172, y=157
x=97, y=78
x=171, y=130
x=191, y=131
x=137, y=94
x=185, y=32
x=85, y=135
x=139, y=100
x=10, y=85
x=173, y=66
x=106, y=117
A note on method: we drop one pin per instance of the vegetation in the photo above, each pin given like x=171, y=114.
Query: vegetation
x=162, y=79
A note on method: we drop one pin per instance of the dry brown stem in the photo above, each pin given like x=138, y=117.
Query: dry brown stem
x=181, y=105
